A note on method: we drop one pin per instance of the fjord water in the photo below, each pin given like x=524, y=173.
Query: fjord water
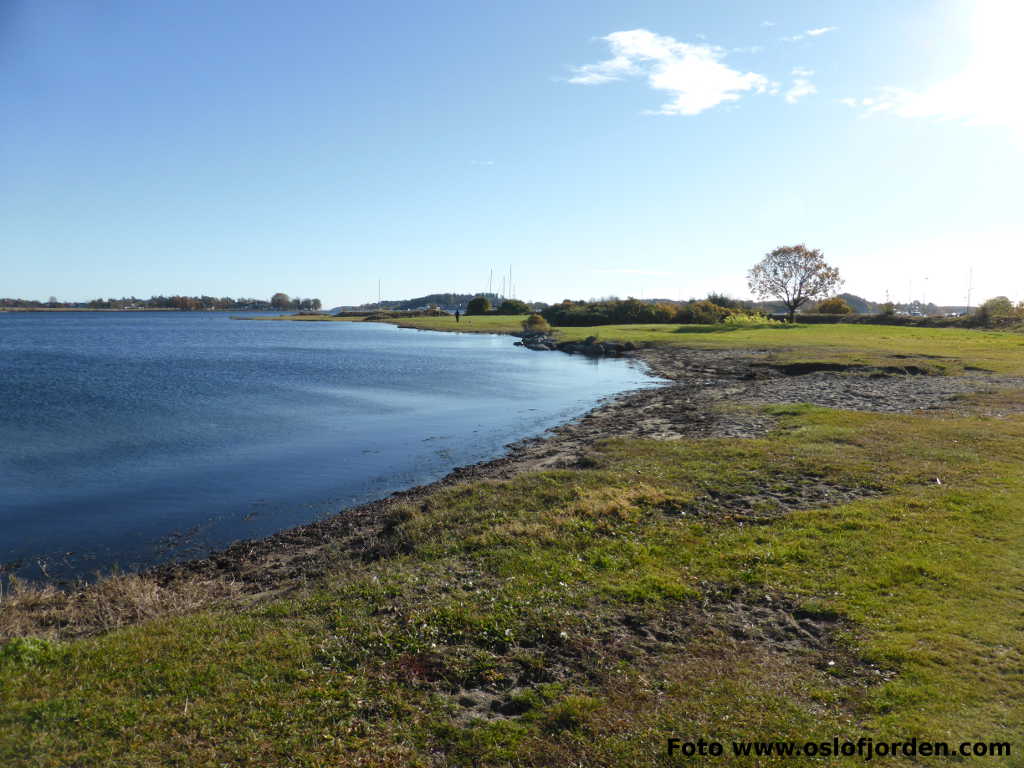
x=130, y=439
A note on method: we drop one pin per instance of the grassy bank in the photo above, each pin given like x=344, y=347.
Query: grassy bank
x=582, y=616
x=466, y=324
x=941, y=350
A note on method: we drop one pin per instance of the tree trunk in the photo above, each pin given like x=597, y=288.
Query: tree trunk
x=792, y=315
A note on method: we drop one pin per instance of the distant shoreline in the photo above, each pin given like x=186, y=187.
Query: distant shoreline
x=103, y=309
x=89, y=309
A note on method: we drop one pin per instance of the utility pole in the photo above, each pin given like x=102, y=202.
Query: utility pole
x=490, y=279
x=378, y=293
x=970, y=285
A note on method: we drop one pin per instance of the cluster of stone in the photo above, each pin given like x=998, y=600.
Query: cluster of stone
x=590, y=346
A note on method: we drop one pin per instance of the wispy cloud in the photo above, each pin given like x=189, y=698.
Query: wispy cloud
x=801, y=86
x=816, y=32
x=984, y=92
x=608, y=71
x=767, y=23
x=483, y=162
x=961, y=98
x=693, y=75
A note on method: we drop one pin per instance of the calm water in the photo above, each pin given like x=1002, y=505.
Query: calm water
x=130, y=439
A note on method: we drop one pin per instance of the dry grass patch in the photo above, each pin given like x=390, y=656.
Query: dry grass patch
x=113, y=602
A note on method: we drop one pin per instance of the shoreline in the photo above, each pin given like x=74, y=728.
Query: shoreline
x=720, y=549
x=707, y=393
x=167, y=571
x=704, y=394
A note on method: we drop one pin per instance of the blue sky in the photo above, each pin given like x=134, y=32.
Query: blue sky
x=241, y=147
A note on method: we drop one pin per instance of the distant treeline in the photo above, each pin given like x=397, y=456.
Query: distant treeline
x=185, y=303
x=717, y=308
x=452, y=300
x=714, y=309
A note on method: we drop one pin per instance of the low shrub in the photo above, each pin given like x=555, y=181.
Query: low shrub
x=754, y=318
x=702, y=313
x=997, y=313
x=613, y=312
x=479, y=305
x=536, y=324
x=513, y=307
x=834, y=306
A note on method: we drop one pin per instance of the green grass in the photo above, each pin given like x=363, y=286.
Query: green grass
x=525, y=592
x=514, y=587
x=942, y=350
x=467, y=323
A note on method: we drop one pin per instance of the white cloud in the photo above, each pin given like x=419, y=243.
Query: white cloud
x=693, y=75
x=748, y=49
x=767, y=23
x=604, y=72
x=818, y=31
x=800, y=88
x=985, y=91
x=848, y=102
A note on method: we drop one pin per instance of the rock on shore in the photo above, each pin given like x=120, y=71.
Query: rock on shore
x=542, y=342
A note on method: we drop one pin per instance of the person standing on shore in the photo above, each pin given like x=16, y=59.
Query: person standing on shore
x=456, y=315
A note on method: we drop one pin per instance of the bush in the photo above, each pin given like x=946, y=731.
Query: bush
x=478, y=306
x=536, y=324
x=702, y=313
x=611, y=312
x=513, y=307
x=997, y=311
x=834, y=306
x=721, y=300
x=754, y=318
x=1000, y=306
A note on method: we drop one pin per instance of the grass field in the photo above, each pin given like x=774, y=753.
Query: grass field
x=581, y=617
x=466, y=324
x=943, y=350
